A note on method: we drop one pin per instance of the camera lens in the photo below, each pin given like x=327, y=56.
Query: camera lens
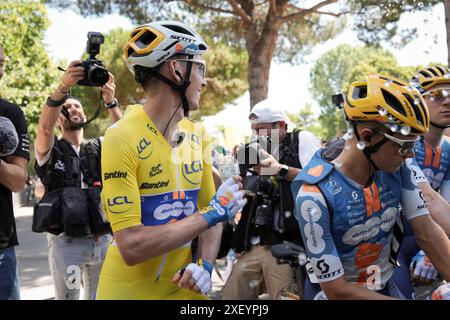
x=98, y=75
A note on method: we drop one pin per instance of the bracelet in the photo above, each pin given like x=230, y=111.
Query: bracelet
x=112, y=104
x=60, y=91
x=65, y=84
x=56, y=103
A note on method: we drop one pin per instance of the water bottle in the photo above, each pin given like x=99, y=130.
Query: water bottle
x=231, y=258
x=228, y=166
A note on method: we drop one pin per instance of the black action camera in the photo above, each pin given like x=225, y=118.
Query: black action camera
x=95, y=74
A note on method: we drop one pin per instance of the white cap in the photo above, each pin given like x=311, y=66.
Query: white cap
x=266, y=112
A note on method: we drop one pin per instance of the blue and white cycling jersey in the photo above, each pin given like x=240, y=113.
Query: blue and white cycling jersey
x=435, y=164
x=348, y=229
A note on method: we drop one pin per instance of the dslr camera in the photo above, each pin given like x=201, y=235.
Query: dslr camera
x=95, y=74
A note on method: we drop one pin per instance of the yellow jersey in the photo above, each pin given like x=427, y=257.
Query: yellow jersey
x=147, y=181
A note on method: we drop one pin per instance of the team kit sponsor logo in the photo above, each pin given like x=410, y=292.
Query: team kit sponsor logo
x=174, y=210
x=311, y=213
x=115, y=175
x=144, y=149
x=327, y=266
x=119, y=204
x=371, y=228
x=155, y=185
x=190, y=171
x=154, y=171
x=149, y=127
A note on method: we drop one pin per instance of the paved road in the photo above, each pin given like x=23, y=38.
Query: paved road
x=32, y=254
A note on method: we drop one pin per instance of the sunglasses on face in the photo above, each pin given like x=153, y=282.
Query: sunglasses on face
x=405, y=145
x=201, y=64
x=438, y=93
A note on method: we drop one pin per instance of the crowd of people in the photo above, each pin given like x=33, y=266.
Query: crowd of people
x=144, y=211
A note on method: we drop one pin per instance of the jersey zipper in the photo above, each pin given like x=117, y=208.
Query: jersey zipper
x=177, y=176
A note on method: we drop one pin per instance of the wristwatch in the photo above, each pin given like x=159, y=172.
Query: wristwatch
x=112, y=104
x=283, y=171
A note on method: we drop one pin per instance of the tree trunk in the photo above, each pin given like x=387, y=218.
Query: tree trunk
x=260, y=50
x=447, y=27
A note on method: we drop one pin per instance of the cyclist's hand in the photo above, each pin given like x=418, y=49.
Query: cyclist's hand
x=228, y=200
x=442, y=293
x=422, y=271
x=195, y=277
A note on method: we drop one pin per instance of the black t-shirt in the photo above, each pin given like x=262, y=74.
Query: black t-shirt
x=8, y=234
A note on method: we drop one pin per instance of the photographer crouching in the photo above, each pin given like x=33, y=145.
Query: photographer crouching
x=269, y=163
x=69, y=167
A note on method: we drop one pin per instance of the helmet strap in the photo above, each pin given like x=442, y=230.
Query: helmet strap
x=438, y=126
x=369, y=151
x=177, y=87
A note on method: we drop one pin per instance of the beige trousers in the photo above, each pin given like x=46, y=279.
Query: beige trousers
x=255, y=271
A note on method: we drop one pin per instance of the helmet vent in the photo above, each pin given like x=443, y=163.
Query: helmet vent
x=147, y=37
x=178, y=29
x=433, y=72
x=441, y=70
x=424, y=73
x=360, y=92
x=393, y=102
x=419, y=117
x=426, y=83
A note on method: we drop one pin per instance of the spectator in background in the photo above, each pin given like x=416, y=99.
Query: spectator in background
x=14, y=156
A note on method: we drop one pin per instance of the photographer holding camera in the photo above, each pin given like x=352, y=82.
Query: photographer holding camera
x=70, y=210
x=268, y=218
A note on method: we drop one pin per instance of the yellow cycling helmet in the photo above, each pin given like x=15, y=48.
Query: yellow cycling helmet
x=388, y=101
x=430, y=77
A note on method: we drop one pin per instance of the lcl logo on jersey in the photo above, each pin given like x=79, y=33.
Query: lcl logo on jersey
x=144, y=149
x=194, y=141
x=119, y=204
x=190, y=170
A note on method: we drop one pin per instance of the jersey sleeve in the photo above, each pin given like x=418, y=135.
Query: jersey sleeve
x=444, y=189
x=120, y=194
x=308, y=144
x=207, y=189
x=314, y=221
x=411, y=197
x=19, y=122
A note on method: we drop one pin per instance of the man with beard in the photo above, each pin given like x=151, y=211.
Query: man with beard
x=69, y=168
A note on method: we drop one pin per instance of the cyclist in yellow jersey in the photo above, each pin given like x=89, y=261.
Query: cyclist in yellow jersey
x=156, y=177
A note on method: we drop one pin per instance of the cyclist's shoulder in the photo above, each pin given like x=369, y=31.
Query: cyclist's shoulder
x=129, y=128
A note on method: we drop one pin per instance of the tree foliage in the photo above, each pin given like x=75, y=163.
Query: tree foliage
x=307, y=120
x=376, y=21
x=338, y=68
x=226, y=78
x=29, y=72
x=284, y=29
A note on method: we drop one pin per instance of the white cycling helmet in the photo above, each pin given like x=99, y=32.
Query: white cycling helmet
x=151, y=44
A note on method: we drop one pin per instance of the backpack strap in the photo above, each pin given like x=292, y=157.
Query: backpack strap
x=67, y=151
x=90, y=161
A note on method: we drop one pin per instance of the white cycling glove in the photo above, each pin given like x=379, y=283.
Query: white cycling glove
x=201, y=272
x=227, y=201
x=423, y=267
x=441, y=293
